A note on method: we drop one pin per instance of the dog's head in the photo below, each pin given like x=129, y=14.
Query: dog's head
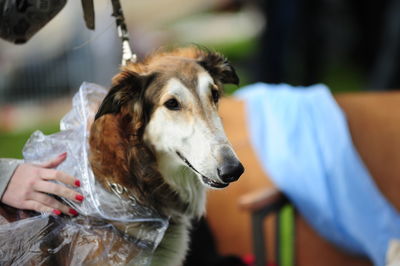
x=170, y=102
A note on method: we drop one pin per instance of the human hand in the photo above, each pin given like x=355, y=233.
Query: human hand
x=30, y=185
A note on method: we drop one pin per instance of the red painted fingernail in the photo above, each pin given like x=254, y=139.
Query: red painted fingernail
x=77, y=183
x=73, y=212
x=79, y=197
x=57, y=212
x=63, y=154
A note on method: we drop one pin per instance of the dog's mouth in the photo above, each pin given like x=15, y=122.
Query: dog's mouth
x=205, y=179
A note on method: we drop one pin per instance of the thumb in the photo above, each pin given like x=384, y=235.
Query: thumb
x=55, y=162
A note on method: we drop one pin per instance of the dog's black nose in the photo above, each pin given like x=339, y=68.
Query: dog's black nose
x=231, y=171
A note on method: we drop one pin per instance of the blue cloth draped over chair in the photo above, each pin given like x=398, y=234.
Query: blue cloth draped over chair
x=302, y=140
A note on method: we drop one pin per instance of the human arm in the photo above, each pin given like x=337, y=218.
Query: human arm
x=7, y=169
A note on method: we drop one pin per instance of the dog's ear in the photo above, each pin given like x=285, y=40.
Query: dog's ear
x=127, y=86
x=219, y=68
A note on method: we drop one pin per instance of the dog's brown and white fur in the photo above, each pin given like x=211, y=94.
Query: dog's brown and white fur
x=158, y=134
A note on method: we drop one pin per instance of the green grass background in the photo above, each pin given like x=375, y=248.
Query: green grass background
x=11, y=144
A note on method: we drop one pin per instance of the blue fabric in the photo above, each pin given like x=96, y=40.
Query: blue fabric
x=301, y=137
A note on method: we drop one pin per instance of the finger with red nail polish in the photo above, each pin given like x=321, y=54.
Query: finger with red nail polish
x=73, y=212
x=79, y=197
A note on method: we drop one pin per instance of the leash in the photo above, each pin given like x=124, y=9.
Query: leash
x=127, y=54
x=89, y=16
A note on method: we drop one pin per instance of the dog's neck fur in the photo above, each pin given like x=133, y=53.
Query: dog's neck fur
x=185, y=182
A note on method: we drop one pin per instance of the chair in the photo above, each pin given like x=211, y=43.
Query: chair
x=374, y=123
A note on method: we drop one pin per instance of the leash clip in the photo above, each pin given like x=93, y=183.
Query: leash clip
x=127, y=54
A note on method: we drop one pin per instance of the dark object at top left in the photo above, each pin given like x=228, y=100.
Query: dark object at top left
x=21, y=19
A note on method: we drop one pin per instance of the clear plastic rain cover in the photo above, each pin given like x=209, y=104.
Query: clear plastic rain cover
x=110, y=229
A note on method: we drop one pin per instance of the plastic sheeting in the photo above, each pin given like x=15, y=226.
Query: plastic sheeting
x=110, y=230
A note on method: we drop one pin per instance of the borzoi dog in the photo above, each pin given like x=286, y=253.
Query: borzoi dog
x=156, y=138
x=158, y=134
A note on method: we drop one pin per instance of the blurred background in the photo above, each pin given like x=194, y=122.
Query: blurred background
x=348, y=45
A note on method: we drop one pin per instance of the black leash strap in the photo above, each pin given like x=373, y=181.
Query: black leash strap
x=127, y=55
x=88, y=13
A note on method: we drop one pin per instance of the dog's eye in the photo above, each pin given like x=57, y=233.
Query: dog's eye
x=172, y=104
x=215, y=95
